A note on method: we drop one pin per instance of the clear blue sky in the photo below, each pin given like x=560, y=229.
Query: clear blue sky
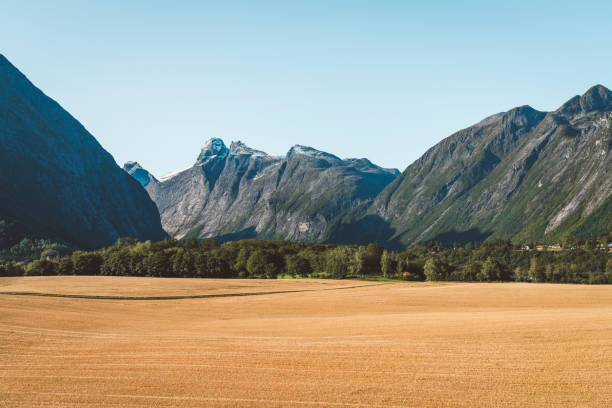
x=379, y=79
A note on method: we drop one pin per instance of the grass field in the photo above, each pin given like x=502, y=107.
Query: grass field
x=303, y=343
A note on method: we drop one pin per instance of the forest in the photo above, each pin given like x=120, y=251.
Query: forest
x=575, y=261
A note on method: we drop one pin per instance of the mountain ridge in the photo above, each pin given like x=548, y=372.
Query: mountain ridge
x=295, y=196
x=489, y=180
x=56, y=180
x=472, y=201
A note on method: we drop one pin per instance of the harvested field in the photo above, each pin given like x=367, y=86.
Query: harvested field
x=310, y=343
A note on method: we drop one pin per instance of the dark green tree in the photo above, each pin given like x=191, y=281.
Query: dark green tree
x=42, y=267
x=157, y=264
x=86, y=263
x=340, y=262
x=116, y=263
x=370, y=259
x=261, y=264
x=471, y=271
x=494, y=270
x=65, y=266
x=297, y=265
x=435, y=270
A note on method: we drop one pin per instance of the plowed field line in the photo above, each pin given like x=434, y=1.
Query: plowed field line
x=218, y=295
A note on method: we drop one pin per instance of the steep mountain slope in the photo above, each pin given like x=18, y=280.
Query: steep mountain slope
x=56, y=181
x=242, y=192
x=522, y=174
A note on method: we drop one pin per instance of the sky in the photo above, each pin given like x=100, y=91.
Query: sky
x=386, y=80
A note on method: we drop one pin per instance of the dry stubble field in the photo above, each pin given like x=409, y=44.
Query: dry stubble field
x=326, y=344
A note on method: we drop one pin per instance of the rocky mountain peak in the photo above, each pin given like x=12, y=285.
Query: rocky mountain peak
x=520, y=116
x=213, y=147
x=240, y=149
x=523, y=116
x=131, y=166
x=249, y=193
x=142, y=175
x=310, y=151
x=596, y=98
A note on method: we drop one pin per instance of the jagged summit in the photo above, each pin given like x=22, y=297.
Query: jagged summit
x=238, y=149
x=596, y=98
x=597, y=89
x=522, y=116
x=241, y=192
x=143, y=176
x=213, y=147
x=131, y=165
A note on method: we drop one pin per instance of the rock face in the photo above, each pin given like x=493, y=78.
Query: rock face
x=56, y=181
x=522, y=175
x=240, y=192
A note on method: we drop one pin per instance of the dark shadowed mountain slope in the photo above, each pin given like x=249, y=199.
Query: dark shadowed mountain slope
x=56, y=181
x=522, y=174
x=242, y=192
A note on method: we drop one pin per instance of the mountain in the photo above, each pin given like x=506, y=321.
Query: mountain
x=522, y=175
x=525, y=175
x=56, y=181
x=241, y=192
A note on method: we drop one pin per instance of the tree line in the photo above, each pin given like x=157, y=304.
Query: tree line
x=190, y=258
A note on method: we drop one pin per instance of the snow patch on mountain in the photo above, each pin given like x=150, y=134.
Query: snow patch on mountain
x=172, y=174
x=239, y=149
x=311, y=152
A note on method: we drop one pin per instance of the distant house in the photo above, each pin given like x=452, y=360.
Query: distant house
x=526, y=248
x=540, y=247
x=555, y=246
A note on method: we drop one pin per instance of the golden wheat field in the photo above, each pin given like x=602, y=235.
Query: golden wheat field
x=303, y=343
